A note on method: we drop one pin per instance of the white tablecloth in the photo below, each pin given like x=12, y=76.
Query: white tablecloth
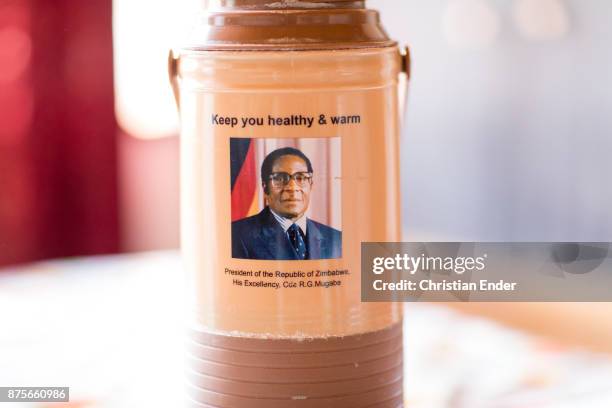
x=110, y=328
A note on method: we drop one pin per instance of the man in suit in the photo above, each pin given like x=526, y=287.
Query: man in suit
x=282, y=231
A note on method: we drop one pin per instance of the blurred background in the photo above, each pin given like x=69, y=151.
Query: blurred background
x=506, y=138
x=506, y=134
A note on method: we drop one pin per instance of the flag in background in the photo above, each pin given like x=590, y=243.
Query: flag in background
x=244, y=178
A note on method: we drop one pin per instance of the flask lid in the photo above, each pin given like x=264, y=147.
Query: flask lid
x=287, y=25
x=282, y=4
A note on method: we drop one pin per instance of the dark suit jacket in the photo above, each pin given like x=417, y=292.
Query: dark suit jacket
x=262, y=237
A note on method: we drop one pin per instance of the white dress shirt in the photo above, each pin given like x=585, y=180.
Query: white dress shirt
x=286, y=223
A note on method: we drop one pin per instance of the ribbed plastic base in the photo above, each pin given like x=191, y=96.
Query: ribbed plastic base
x=356, y=371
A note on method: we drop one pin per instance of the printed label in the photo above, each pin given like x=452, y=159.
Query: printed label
x=286, y=199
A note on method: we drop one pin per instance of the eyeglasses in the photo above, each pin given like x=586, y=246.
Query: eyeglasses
x=281, y=179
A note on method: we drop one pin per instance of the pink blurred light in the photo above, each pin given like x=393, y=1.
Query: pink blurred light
x=17, y=105
x=16, y=97
x=15, y=53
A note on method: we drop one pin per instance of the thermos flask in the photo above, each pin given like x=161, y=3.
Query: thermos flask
x=289, y=161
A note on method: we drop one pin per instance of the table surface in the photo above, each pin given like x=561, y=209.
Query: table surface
x=110, y=328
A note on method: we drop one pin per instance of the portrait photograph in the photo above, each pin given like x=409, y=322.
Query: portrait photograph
x=286, y=198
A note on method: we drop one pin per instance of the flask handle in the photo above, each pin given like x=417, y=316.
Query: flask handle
x=173, y=75
x=403, y=81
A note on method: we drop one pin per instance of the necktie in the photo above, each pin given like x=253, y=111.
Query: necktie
x=297, y=240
